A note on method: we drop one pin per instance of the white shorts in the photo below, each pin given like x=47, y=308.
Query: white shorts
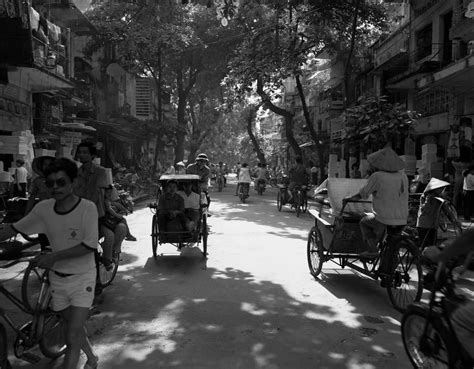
x=75, y=290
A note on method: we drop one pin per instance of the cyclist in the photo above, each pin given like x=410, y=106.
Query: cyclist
x=463, y=317
x=262, y=174
x=244, y=177
x=220, y=173
x=200, y=168
x=298, y=176
x=388, y=186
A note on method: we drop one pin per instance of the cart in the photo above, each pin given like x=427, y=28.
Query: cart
x=336, y=237
x=175, y=235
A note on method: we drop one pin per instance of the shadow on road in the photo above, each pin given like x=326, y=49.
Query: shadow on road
x=228, y=319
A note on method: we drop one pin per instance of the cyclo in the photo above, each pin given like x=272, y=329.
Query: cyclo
x=299, y=200
x=336, y=237
x=175, y=234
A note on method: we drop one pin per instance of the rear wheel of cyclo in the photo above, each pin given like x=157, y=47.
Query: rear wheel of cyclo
x=31, y=286
x=406, y=283
x=51, y=330
x=154, y=234
x=204, y=234
x=315, y=252
x=279, y=203
x=4, y=363
x=298, y=203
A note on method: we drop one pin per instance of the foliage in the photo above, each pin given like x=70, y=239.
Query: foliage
x=374, y=122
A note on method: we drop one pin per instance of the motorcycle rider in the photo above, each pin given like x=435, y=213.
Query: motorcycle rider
x=462, y=318
x=389, y=187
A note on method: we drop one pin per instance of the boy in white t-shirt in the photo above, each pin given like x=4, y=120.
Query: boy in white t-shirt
x=71, y=225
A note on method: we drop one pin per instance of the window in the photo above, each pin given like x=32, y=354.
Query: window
x=432, y=103
x=143, y=98
x=424, y=42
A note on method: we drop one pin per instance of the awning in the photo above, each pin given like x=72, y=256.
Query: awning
x=78, y=127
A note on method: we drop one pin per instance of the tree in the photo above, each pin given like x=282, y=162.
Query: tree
x=373, y=122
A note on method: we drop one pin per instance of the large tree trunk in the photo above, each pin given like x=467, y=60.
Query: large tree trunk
x=312, y=131
x=256, y=144
x=348, y=65
x=287, y=115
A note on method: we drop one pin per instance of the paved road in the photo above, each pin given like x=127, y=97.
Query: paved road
x=252, y=304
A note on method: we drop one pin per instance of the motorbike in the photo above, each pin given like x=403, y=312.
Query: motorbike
x=244, y=191
x=427, y=331
x=260, y=186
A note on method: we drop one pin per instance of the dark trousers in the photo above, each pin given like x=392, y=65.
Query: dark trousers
x=468, y=204
x=163, y=220
x=19, y=192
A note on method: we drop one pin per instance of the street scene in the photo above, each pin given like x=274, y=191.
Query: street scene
x=236, y=184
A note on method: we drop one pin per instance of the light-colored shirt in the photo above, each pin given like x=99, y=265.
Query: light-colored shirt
x=21, y=175
x=389, y=197
x=244, y=175
x=193, y=201
x=468, y=184
x=65, y=231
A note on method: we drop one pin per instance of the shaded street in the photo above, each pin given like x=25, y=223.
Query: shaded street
x=253, y=304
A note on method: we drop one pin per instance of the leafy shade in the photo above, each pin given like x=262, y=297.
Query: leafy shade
x=374, y=122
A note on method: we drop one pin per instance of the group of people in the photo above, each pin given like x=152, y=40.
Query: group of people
x=75, y=208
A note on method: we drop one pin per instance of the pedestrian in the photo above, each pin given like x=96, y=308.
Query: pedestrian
x=180, y=168
x=355, y=172
x=21, y=178
x=70, y=222
x=468, y=193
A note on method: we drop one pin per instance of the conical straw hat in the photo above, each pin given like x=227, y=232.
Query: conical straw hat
x=435, y=183
x=386, y=160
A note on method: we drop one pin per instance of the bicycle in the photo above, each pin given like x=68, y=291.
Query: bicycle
x=46, y=329
x=427, y=332
x=300, y=199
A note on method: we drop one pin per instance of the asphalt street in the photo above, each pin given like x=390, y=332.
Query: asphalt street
x=251, y=304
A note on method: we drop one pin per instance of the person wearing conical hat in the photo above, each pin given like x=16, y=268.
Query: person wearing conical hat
x=432, y=204
x=388, y=185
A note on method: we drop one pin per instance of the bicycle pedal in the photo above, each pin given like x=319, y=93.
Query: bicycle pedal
x=31, y=358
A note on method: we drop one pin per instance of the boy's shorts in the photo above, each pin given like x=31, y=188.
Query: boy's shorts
x=75, y=290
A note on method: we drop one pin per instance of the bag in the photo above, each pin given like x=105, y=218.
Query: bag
x=110, y=221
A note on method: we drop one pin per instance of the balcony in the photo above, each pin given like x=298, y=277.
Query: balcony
x=33, y=46
x=392, y=51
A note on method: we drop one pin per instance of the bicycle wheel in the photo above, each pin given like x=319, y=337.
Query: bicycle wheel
x=430, y=350
x=31, y=286
x=314, y=252
x=298, y=203
x=4, y=363
x=51, y=332
x=154, y=234
x=406, y=280
x=279, y=202
x=106, y=276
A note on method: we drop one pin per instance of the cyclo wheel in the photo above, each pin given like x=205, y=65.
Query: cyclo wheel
x=104, y=276
x=4, y=363
x=431, y=350
x=279, y=201
x=154, y=234
x=405, y=285
x=31, y=286
x=51, y=330
x=314, y=252
x=204, y=234
x=297, y=200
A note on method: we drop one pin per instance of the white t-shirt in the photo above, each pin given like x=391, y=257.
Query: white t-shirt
x=244, y=175
x=390, y=197
x=193, y=201
x=21, y=175
x=64, y=231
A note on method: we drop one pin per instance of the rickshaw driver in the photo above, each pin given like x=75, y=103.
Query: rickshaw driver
x=389, y=187
x=202, y=170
